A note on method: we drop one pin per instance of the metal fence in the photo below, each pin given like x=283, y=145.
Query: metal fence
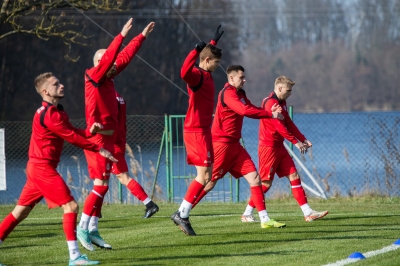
x=353, y=154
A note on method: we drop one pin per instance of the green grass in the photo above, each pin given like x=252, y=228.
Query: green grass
x=361, y=225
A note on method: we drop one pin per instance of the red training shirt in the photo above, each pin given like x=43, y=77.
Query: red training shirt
x=201, y=99
x=232, y=106
x=120, y=133
x=99, y=89
x=272, y=132
x=50, y=128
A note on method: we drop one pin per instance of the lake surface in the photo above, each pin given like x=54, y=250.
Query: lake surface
x=353, y=153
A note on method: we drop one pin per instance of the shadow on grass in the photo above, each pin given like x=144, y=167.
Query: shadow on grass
x=196, y=256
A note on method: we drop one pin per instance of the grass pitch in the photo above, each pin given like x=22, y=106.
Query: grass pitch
x=353, y=225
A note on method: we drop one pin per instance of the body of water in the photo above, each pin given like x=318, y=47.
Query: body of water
x=353, y=153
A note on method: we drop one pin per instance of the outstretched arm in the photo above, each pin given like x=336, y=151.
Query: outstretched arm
x=59, y=124
x=126, y=55
x=96, y=127
x=279, y=125
x=190, y=74
x=247, y=109
x=99, y=72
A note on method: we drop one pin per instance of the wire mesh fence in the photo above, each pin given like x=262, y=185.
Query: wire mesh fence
x=143, y=143
x=353, y=154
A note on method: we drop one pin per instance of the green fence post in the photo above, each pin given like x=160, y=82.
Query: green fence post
x=167, y=139
x=120, y=191
x=158, y=162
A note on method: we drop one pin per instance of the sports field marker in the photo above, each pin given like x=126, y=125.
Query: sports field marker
x=356, y=256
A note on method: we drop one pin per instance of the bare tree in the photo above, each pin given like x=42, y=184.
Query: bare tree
x=51, y=19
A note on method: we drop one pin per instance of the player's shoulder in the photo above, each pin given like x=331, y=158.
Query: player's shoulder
x=270, y=100
x=56, y=113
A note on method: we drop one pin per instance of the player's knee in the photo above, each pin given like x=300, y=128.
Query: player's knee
x=100, y=182
x=267, y=183
x=210, y=185
x=71, y=206
x=74, y=207
x=124, y=178
x=293, y=176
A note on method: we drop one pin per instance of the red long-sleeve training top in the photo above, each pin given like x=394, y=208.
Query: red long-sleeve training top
x=232, y=106
x=99, y=89
x=50, y=128
x=200, y=87
x=272, y=132
x=120, y=133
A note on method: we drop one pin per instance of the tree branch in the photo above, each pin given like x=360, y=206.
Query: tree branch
x=49, y=20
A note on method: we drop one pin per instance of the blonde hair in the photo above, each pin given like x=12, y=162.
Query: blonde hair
x=210, y=51
x=284, y=80
x=41, y=79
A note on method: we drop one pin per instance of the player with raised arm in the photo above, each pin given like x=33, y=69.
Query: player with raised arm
x=120, y=169
x=102, y=107
x=232, y=106
x=273, y=156
x=50, y=128
x=197, y=125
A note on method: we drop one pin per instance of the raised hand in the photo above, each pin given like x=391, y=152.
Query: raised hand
x=149, y=28
x=200, y=46
x=217, y=34
x=126, y=27
x=106, y=154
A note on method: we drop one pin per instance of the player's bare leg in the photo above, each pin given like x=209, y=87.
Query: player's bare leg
x=69, y=225
x=88, y=233
x=137, y=190
x=209, y=186
x=247, y=216
x=301, y=198
x=181, y=217
x=12, y=220
x=257, y=196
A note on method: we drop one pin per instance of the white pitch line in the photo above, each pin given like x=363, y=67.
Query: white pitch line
x=368, y=254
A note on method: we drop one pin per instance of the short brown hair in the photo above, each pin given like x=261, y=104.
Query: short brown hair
x=235, y=68
x=284, y=80
x=41, y=79
x=210, y=51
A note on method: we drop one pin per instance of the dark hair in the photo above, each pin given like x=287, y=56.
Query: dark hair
x=210, y=51
x=235, y=68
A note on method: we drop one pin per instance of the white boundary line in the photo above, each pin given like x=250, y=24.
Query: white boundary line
x=368, y=254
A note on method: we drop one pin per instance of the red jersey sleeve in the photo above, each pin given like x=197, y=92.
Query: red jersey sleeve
x=280, y=124
x=126, y=55
x=189, y=73
x=243, y=106
x=293, y=129
x=98, y=73
x=58, y=122
x=82, y=132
